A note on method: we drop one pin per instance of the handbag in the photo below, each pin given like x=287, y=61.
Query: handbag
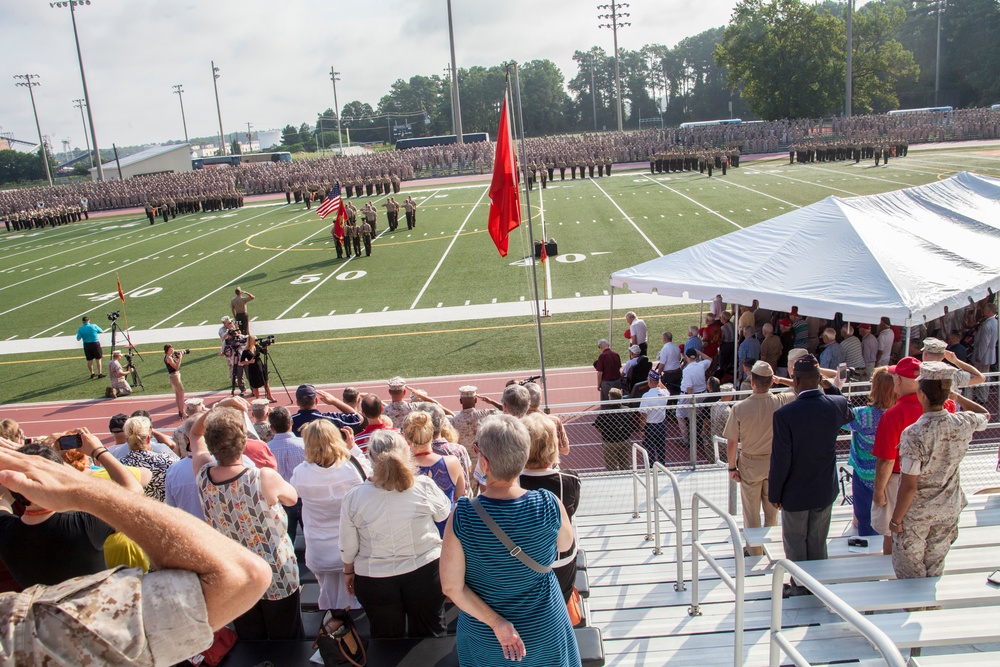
x=573, y=607
x=514, y=550
x=339, y=642
x=222, y=644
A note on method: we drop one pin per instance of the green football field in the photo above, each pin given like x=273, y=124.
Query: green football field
x=182, y=273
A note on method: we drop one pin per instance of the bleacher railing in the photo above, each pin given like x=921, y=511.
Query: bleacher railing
x=675, y=518
x=866, y=628
x=735, y=584
x=639, y=454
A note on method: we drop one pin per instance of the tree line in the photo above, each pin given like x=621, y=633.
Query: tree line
x=774, y=59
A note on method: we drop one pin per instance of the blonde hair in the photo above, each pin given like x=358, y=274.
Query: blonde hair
x=137, y=432
x=324, y=445
x=544, y=441
x=418, y=428
x=883, y=392
x=393, y=468
x=11, y=430
x=448, y=432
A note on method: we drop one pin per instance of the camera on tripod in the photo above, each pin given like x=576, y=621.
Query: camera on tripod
x=266, y=341
x=114, y=316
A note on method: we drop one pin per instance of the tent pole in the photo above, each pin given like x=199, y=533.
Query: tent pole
x=905, y=352
x=736, y=343
x=611, y=319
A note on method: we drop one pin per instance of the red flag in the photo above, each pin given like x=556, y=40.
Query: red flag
x=121, y=294
x=338, y=224
x=545, y=255
x=505, y=200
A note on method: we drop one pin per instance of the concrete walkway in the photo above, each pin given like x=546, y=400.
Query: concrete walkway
x=486, y=311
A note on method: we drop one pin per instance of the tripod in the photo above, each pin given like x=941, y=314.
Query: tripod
x=269, y=360
x=136, y=380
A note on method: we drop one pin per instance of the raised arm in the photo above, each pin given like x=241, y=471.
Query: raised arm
x=330, y=399
x=232, y=578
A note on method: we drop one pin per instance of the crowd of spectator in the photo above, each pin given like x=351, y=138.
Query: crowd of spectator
x=669, y=149
x=388, y=524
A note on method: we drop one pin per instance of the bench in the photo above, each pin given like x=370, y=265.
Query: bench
x=582, y=583
x=873, y=568
x=950, y=590
x=979, y=659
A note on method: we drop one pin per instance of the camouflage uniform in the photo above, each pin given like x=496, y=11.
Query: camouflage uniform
x=397, y=411
x=932, y=448
x=109, y=618
x=466, y=422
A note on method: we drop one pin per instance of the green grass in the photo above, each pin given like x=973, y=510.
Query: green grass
x=183, y=272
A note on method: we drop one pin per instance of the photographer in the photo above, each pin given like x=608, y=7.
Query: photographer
x=232, y=349
x=172, y=359
x=250, y=360
x=88, y=333
x=118, y=374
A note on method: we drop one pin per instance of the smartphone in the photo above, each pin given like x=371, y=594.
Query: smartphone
x=72, y=441
x=856, y=542
x=994, y=578
x=28, y=441
x=843, y=372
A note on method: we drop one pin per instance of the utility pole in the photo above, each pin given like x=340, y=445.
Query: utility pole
x=250, y=136
x=456, y=102
x=613, y=18
x=179, y=91
x=336, y=110
x=80, y=104
x=28, y=81
x=848, y=106
x=941, y=6
x=593, y=95
x=218, y=109
x=73, y=4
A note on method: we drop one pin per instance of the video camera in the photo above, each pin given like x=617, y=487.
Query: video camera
x=114, y=316
x=265, y=341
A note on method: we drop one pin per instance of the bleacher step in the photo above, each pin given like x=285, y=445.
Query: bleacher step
x=954, y=590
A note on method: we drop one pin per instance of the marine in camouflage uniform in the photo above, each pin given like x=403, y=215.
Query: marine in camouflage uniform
x=397, y=408
x=466, y=423
x=931, y=451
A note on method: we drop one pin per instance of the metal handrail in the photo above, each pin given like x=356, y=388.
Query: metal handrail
x=878, y=639
x=638, y=450
x=676, y=518
x=735, y=584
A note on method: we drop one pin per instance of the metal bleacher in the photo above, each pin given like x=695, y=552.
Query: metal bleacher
x=859, y=613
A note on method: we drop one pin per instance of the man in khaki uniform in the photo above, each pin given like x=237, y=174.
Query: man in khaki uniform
x=749, y=429
x=398, y=407
x=466, y=421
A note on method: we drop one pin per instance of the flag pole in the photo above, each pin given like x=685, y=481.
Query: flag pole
x=531, y=234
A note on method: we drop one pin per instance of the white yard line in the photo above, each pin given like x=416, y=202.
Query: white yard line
x=245, y=273
x=763, y=194
x=69, y=232
x=817, y=185
x=630, y=220
x=871, y=178
x=693, y=201
x=448, y=249
x=960, y=167
x=113, y=250
x=146, y=284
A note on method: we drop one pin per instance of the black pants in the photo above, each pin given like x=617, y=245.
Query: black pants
x=294, y=514
x=411, y=601
x=271, y=620
x=243, y=322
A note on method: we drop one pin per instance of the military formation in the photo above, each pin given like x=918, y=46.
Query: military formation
x=853, y=151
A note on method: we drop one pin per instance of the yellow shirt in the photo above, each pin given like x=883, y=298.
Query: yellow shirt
x=119, y=549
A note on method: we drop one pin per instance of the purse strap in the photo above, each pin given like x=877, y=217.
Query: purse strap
x=514, y=550
x=361, y=471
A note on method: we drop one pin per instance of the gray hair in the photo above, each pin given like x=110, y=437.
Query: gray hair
x=535, y=392
x=630, y=315
x=434, y=410
x=603, y=343
x=504, y=442
x=516, y=399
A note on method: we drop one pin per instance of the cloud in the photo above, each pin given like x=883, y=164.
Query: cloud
x=275, y=58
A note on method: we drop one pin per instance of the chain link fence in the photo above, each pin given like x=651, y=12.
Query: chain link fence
x=685, y=436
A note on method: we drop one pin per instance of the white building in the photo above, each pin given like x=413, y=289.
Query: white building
x=156, y=160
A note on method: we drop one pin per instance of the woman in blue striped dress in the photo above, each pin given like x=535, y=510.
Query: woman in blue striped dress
x=508, y=610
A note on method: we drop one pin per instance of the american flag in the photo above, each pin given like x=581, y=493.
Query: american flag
x=332, y=203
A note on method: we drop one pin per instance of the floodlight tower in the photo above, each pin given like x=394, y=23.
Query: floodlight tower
x=73, y=4
x=848, y=104
x=179, y=91
x=218, y=109
x=81, y=105
x=456, y=103
x=941, y=6
x=614, y=18
x=334, y=78
x=28, y=81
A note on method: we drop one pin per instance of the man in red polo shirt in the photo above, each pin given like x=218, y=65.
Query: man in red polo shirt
x=906, y=411
x=609, y=369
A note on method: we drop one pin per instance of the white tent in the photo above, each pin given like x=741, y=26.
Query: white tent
x=905, y=255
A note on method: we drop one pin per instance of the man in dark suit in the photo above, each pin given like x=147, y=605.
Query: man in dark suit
x=803, y=475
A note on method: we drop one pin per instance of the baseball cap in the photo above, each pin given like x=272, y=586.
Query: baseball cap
x=226, y=319
x=807, y=363
x=117, y=423
x=635, y=349
x=784, y=322
x=305, y=391
x=762, y=368
x=653, y=377
x=907, y=367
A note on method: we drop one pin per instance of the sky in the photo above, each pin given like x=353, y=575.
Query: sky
x=275, y=57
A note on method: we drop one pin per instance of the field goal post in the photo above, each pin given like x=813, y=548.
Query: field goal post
x=655, y=121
